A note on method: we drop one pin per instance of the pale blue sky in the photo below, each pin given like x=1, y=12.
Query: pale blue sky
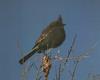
x=24, y=20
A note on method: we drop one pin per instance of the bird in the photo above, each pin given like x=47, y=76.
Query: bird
x=51, y=37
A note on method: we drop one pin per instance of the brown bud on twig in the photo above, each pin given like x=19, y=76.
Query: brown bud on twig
x=46, y=64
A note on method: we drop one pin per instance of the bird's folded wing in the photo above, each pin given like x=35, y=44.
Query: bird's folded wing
x=45, y=34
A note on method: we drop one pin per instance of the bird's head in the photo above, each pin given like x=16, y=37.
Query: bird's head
x=58, y=22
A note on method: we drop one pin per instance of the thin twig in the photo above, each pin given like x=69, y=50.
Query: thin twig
x=69, y=52
x=59, y=72
x=74, y=70
x=38, y=77
x=71, y=48
x=24, y=67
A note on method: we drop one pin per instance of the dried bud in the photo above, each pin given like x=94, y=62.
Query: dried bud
x=46, y=64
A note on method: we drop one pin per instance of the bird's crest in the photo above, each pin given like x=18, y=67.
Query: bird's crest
x=60, y=20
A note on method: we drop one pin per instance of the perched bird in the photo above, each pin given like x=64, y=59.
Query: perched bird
x=51, y=37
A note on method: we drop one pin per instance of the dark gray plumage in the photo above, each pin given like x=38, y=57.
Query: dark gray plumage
x=51, y=37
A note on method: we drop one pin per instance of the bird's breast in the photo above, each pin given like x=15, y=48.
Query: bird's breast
x=55, y=37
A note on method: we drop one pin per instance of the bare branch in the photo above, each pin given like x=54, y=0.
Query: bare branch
x=74, y=70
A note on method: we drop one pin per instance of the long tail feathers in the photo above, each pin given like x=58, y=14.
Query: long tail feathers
x=25, y=58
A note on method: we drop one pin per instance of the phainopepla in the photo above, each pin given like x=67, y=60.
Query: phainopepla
x=51, y=37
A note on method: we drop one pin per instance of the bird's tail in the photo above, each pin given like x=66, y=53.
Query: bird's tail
x=25, y=58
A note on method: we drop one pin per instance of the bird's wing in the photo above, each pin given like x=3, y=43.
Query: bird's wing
x=46, y=31
x=43, y=35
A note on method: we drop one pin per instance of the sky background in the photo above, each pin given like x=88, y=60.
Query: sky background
x=23, y=21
